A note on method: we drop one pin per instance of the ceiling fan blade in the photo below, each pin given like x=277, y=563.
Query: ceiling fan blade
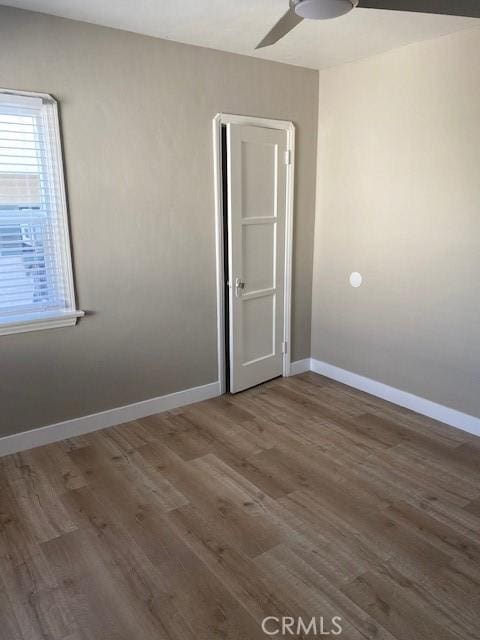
x=288, y=22
x=467, y=8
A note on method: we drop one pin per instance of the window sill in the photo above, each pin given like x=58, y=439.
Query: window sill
x=39, y=321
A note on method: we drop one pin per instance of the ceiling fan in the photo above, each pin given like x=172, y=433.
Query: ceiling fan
x=324, y=9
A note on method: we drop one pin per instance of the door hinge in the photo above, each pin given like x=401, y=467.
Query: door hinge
x=284, y=347
x=288, y=157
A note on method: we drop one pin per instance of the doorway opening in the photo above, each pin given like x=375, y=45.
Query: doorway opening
x=254, y=174
x=226, y=297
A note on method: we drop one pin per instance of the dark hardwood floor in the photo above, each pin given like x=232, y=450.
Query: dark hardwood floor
x=301, y=497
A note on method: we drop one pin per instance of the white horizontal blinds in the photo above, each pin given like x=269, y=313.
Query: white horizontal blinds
x=35, y=271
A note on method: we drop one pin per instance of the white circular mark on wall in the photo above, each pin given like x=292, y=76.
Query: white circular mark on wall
x=356, y=279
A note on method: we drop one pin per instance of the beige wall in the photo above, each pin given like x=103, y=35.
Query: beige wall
x=136, y=115
x=398, y=199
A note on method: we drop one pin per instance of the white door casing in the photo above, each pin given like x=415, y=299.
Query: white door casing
x=257, y=178
x=218, y=122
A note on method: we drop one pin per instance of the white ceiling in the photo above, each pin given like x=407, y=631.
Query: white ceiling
x=237, y=25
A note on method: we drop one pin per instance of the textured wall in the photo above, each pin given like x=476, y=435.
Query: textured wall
x=398, y=199
x=136, y=121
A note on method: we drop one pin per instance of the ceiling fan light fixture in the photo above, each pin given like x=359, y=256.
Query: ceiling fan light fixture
x=323, y=9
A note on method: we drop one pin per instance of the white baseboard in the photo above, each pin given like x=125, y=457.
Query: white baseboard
x=300, y=366
x=120, y=415
x=104, y=419
x=439, y=412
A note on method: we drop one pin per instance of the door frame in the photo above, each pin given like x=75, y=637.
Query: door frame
x=283, y=125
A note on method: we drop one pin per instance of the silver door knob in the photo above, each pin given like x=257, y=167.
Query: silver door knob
x=239, y=285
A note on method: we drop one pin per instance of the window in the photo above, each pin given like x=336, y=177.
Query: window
x=36, y=281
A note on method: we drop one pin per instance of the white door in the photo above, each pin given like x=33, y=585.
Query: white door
x=256, y=160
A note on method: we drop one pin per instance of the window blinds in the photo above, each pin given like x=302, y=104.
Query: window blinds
x=35, y=262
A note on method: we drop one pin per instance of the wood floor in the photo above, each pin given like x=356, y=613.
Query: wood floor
x=298, y=498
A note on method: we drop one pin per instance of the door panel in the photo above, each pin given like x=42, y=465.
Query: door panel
x=258, y=177
x=259, y=256
x=256, y=252
x=258, y=320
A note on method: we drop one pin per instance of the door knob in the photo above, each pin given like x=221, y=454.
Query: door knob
x=239, y=285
